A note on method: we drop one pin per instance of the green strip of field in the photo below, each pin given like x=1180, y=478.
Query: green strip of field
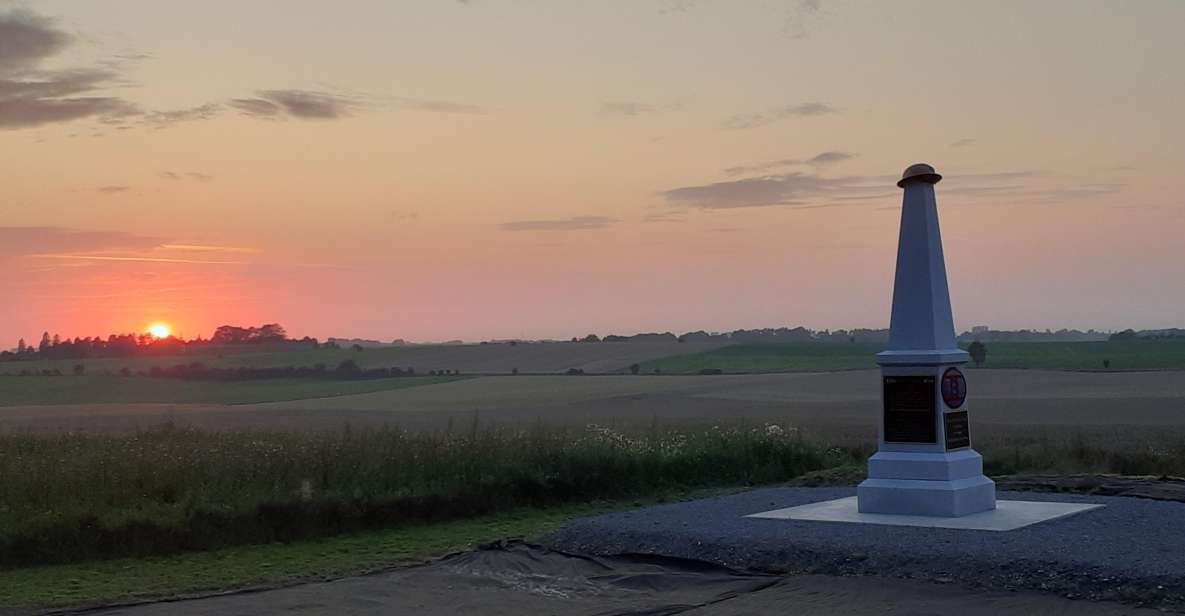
x=1113, y=355
x=768, y=358
x=131, y=579
x=1167, y=354
x=25, y=390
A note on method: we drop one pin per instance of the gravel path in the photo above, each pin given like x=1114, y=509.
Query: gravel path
x=1132, y=550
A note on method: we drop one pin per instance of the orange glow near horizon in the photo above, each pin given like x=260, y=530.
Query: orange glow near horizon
x=159, y=330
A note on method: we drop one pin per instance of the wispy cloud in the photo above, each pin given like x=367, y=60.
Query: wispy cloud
x=316, y=105
x=962, y=143
x=165, y=119
x=754, y=120
x=208, y=248
x=183, y=175
x=135, y=259
x=302, y=104
x=802, y=15
x=111, y=190
x=819, y=160
x=417, y=104
x=563, y=224
x=629, y=109
x=810, y=190
x=23, y=241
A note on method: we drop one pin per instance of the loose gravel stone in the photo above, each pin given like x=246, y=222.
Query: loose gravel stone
x=1131, y=550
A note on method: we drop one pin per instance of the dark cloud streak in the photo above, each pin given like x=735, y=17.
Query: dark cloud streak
x=566, y=224
x=754, y=120
x=819, y=160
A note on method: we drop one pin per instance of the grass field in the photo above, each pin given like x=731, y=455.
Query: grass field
x=768, y=358
x=132, y=579
x=35, y=390
x=1121, y=355
x=73, y=497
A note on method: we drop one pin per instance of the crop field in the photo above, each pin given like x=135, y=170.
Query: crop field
x=52, y=390
x=831, y=402
x=1103, y=355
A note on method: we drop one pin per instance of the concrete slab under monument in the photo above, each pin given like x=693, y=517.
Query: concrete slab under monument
x=1008, y=515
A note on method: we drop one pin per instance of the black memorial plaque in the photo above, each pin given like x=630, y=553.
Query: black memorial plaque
x=909, y=409
x=958, y=430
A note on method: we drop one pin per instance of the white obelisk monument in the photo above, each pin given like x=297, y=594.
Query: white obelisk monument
x=924, y=464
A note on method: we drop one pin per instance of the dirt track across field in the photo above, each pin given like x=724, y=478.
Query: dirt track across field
x=831, y=400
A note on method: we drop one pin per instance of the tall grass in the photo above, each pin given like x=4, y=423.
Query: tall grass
x=77, y=496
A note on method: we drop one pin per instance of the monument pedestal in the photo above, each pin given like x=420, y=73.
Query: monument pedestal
x=924, y=464
x=933, y=484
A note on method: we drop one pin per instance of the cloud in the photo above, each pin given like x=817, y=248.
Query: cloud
x=192, y=175
x=785, y=189
x=801, y=16
x=417, y=104
x=811, y=190
x=962, y=143
x=302, y=104
x=27, y=38
x=164, y=119
x=627, y=109
x=110, y=190
x=564, y=224
x=312, y=105
x=23, y=241
x=30, y=96
x=754, y=120
x=207, y=248
x=256, y=107
x=819, y=160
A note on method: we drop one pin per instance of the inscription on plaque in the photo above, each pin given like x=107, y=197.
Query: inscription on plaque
x=958, y=430
x=909, y=409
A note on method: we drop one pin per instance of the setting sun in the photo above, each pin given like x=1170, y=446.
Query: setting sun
x=159, y=330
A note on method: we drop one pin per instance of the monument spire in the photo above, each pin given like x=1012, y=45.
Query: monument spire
x=921, y=328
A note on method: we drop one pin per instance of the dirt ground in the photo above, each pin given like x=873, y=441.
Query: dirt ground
x=834, y=401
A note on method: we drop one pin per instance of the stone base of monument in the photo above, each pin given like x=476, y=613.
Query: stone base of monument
x=948, y=484
x=1007, y=515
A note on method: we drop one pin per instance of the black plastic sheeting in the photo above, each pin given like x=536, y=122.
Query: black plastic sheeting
x=501, y=578
x=515, y=578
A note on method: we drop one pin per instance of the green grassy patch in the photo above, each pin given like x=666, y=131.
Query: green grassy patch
x=131, y=579
x=1121, y=355
x=1165, y=354
x=769, y=358
x=23, y=390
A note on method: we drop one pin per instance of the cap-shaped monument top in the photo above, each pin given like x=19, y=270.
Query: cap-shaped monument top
x=921, y=329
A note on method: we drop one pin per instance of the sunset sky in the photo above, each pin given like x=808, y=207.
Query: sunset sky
x=495, y=168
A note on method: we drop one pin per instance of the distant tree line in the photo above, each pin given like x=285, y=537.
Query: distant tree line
x=753, y=336
x=271, y=335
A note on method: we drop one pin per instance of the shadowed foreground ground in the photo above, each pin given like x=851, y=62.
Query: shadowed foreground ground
x=523, y=579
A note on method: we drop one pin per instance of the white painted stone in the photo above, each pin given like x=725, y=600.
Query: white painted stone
x=945, y=466
x=921, y=328
x=923, y=478
x=1007, y=515
x=950, y=498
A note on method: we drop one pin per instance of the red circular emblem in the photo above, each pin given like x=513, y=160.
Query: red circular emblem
x=954, y=388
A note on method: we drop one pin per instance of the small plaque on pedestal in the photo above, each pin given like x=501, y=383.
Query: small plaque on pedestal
x=957, y=429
